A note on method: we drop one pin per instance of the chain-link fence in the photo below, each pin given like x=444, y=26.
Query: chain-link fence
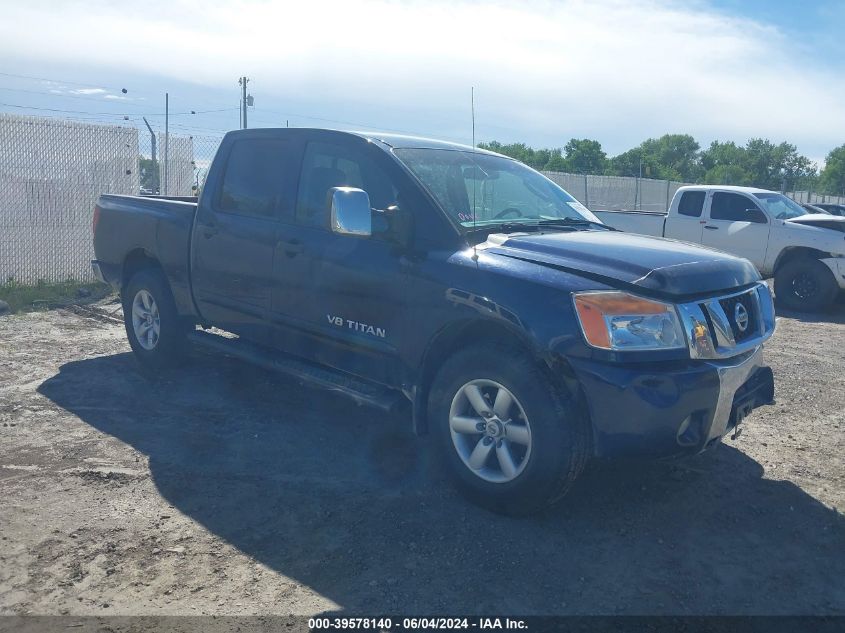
x=809, y=197
x=52, y=170
x=617, y=192
x=174, y=164
x=642, y=194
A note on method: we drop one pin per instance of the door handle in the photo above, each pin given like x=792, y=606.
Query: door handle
x=711, y=228
x=292, y=247
x=209, y=230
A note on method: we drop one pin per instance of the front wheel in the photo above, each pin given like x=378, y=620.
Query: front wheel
x=153, y=327
x=805, y=284
x=513, y=442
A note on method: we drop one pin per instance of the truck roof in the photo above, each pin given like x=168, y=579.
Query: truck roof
x=726, y=188
x=390, y=139
x=418, y=142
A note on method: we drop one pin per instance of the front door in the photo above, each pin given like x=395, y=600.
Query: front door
x=339, y=299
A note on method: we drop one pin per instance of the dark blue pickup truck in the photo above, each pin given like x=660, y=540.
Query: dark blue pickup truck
x=527, y=336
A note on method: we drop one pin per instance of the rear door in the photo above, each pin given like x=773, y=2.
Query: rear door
x=736, y=225
x=686, y=222
x=236, y=233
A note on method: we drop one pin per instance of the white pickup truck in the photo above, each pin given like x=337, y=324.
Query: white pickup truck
x=805, y=253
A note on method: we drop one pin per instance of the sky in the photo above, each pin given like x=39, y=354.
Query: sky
x=542, y=71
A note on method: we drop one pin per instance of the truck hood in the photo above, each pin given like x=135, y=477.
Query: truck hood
x=656, y=265
x=834, y=222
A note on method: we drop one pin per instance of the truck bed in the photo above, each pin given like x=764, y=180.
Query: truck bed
x=145, y=225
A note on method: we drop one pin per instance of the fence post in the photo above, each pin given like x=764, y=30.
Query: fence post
x=668, y=187
x=636, y=193
x=586, y=193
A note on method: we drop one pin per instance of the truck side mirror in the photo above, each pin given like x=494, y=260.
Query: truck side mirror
x=350, y=211
x=755, y=215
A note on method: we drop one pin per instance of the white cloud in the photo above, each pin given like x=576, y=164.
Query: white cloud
x=89, y=91
x=543, y=71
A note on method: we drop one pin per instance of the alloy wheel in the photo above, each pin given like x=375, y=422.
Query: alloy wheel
x=490, y=431
x=146, y=321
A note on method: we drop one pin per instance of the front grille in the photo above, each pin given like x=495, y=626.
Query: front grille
x=712, y=328
x=746, y=316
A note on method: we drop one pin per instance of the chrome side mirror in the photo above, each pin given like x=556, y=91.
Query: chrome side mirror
x=350, y=211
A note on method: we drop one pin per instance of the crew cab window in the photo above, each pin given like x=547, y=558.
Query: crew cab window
x=692, y=203
x=253, y=178
x=328, y=165
x=735, y=208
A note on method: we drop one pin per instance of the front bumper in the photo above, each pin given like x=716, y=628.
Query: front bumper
x=670, y=409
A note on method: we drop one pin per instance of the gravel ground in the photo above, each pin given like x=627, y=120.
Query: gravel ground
x=224, y=489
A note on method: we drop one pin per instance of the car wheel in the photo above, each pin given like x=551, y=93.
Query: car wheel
x=513, y=442
x=155, y=332
x=805, y=284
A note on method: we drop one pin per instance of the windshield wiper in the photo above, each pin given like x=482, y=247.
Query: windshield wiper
x=574, y=222
x=505, y=227
x=533, y=225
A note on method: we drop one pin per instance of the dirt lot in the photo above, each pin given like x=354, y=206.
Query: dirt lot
x=224, y=489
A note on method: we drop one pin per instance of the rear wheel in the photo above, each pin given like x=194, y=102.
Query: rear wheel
x=805, y=284
x=155, y=332
x=512, y=441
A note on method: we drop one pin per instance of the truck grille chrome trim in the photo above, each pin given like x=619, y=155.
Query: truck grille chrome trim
x=714, y=327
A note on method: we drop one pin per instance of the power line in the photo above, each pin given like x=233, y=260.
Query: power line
x=283, y=114
x=14, y=105
x=77, y=83
x=60, y=81
x=62, y=95
x=117, y=114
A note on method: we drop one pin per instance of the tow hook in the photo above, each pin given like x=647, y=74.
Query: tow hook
x=741, y=413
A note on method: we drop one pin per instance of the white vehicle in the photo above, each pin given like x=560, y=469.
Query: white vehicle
x=805, y=253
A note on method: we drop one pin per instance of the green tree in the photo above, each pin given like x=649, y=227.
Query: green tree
x=556, y=162
x=543, y=159
x=724, y=164
x=584, y=156
x=671, y=157
x=832, y=178
x=520, y=151
x=635, y=162
x=773, y=166
x=677, y=156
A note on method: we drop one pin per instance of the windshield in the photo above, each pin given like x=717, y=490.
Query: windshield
x=779, y=206
x=478, y=189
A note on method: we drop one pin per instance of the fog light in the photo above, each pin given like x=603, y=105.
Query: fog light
x=689, y=432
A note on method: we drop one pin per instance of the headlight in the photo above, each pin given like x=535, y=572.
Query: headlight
x=619, y=321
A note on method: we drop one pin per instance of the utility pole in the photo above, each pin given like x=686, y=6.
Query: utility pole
x=244, y=101
x=166, y=138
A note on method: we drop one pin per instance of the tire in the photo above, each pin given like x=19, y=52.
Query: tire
x=806, y=285
x=540, y=471
x=153, y=327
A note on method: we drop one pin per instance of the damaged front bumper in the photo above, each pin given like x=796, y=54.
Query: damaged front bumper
x=665, y=410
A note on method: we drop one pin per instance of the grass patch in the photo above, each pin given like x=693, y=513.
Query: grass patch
x=45, y=295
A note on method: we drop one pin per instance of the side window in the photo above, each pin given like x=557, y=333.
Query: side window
x=735, y=208
x=692, y=203
x=253, y=177
x=328, y=165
